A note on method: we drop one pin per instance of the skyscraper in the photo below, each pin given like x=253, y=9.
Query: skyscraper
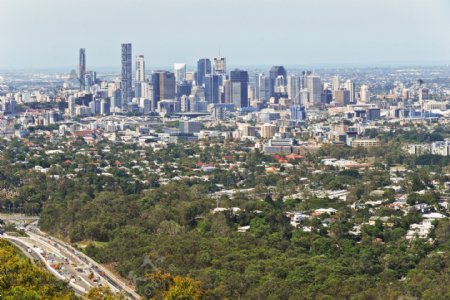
x=293, y=88
x=126, y=80
x=220, y=66
x=212, y=92
x=336, y=85
x=140, y=68
x=342, y=97
x=180, y=72
x=184, y=88
x=82, y=68
x=314, y=90
x=276, y=71
x=163, y=86
x=350, y=86
x=203, y=68
x=280, y=84
x=226, y=93
x=262, y=87
x=239, y=88
x=364, y=93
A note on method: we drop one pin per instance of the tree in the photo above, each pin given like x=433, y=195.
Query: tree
x=183, y=288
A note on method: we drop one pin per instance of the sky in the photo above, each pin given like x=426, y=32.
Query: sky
x=47, y=34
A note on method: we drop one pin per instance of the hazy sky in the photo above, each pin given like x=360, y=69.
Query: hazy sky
x=48, y=33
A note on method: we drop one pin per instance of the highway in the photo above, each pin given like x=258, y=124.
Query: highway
x=66, y=263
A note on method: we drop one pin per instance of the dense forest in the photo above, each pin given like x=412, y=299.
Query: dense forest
x=271, y=261
x=164, y=238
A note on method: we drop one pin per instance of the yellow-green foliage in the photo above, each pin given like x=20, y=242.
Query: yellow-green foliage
x=20, y=279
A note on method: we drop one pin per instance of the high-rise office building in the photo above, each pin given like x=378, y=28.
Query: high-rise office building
x=220, y=66
x=350, y=86
x=82, y=68
x=191, y=76
x=364, y=93
x=90, y=78
x=262, y=87
x=251, y=93
x=180, y=72
x=185, y=104
x=140, y=68
x=342, y=97
x=336, y=84
x=315, y=88
x=212, y=92
x=424, y=94
x=293, y=88
x=327, y=96
x=276, y=71
x=304, y=97
x=184, y=88
x=239, y=88
x=71, y=106
x=163, y=86
x=304, y=76
x=280, y=84
x=226, y=94
x=203, y=68
x=126, y=80
x=138, y=89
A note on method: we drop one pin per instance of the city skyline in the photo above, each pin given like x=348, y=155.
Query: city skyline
x=312, y=33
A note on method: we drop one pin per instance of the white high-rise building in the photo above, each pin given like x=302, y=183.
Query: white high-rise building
x=140, y=68
x=315, y=90
x=280, y=84
x=350, y=86
x=146, y=90
x=293, y=88
x=190, y=76
x=304, y=97
x=336, y=85
x=180, y=72
x=220, y=66
x=262, y=87
x=364, y=93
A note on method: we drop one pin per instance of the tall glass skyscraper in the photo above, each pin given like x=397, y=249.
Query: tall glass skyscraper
x=163, y=86
x=212, y=92
x=274, y=72
x=82, y=68
x=203, y=68
x=239, y=88
x=293, y=88
x=126, y=81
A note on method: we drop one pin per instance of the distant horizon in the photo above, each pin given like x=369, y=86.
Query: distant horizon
x=47, y=34
x=192, y=67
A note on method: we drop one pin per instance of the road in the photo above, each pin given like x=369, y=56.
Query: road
x=69, y=264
